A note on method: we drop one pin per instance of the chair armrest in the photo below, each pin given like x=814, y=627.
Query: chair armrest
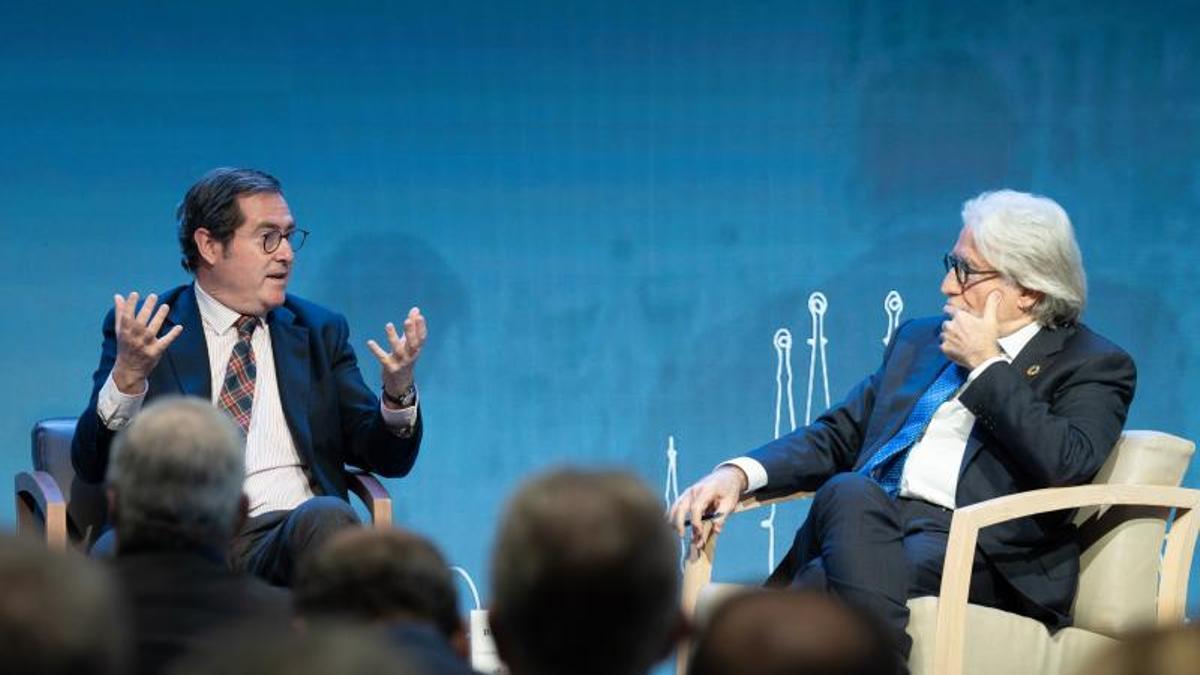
x=964, y=534
x=697, y=568
x=373, y=495
x=40, y=488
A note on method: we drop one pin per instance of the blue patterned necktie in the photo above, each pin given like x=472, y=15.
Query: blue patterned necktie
x=887, y=464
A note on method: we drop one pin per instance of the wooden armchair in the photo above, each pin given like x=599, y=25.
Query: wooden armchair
x=1127, y=579
x=67, y=511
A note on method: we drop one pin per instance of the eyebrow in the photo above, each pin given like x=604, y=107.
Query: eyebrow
x=268, y=225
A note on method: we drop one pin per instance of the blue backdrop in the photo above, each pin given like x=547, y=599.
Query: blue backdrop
x=605, y=209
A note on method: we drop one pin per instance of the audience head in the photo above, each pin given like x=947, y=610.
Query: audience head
x=1173, y=650
x=382, y=576
x=1029, y=240
x=59, y=613
x=584, y=577
x=175, y=477
x=212, y=204
x=776, y=632
x=322, y=649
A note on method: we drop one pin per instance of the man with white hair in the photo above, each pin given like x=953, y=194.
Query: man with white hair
x=1007, y=392
x=176, y=500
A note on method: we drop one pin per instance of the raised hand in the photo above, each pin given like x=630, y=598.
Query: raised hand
x=139, y=347
x=716, y=494
x=969, y=340
x=399, y=362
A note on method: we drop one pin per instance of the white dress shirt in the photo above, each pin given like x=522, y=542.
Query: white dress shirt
x=276, y=478
x=931, y=469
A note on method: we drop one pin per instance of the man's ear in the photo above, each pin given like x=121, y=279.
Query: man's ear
x=110, y=496
x=210, y=249
x=243, y=513
x=459, y=641
x=1029, y=299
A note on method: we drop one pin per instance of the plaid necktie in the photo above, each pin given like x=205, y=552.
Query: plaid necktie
x=887, y=464
x=237, y=393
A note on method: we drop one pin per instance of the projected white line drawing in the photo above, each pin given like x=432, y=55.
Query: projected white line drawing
x=783, y=389
x=817, y=304
x=470, y=584
x=671, y=492
x=893, y=305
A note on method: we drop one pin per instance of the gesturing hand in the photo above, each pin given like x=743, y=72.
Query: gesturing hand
x=398, y=363
x=138, y=346
x=716, y=493
x=969, y=340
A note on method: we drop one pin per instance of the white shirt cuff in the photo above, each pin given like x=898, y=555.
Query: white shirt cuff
x=400, y=422
x=983, y=366
x=756, y=475
x=115, y=408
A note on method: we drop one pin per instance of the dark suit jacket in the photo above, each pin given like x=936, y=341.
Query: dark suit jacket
x=334, y=418
x=180, y=600
x=1048, y=419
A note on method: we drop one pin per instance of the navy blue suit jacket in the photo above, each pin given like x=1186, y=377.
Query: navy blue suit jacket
x=334, y=418
x=1049, y=419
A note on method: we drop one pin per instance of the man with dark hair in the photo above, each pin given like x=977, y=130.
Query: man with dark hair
x=783, y=632
x=392, y=578
x=175, y=498
x=585, y=577
x=282, y=367
x=59, y=613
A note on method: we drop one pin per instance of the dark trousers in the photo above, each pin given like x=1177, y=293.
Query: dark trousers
x=875, y=552
x=270, y=546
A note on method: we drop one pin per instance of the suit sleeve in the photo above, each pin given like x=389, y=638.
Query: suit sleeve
x=808, y=456
x=1066, y=439
x=369, y=444
x=90, y=446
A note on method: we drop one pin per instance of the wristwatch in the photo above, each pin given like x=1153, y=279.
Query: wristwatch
x=405, y=400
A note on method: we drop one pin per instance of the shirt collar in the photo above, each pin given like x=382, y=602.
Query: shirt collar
x=1014, y=342
x=215, y=316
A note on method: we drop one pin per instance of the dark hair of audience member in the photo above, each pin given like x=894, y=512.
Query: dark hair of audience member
x=379, y=575
x=783, y=632
x=59, y=613
x=1173, y=650
x=324, y=648
x=585, y=577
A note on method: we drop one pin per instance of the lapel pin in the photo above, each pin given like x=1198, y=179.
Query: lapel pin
x=1033, y=370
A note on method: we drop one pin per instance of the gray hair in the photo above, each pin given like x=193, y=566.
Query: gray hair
x=584, y=576
x=177, y=472
x=1029, y=240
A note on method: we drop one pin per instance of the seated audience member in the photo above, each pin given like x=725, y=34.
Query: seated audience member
x=59, y=614
x=393, y=578
x=584, y=577
x=775, y=632
x=1173, y=650
x=176, y=499
x=321, y=649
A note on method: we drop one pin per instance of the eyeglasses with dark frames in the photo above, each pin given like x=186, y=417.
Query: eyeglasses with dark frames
x=272, y=238
x=963, y=270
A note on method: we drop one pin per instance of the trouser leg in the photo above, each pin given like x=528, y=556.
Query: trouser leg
x=271, y=546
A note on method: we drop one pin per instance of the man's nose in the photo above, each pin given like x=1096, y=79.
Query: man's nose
x=950, y=285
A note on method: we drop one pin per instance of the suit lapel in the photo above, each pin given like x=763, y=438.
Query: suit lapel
x=289, y=342
x=1032, y=359
x=188, y=354
x=927, y=364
